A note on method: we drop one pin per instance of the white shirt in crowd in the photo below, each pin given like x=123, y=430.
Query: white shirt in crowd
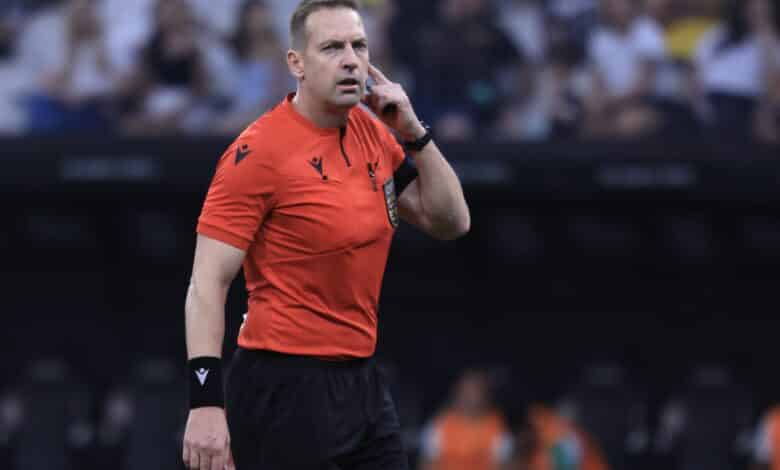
x=15, y=82
x=128, y=25
x=739, y=69
x=43, y=49
x=524, y=23
x=618, y=57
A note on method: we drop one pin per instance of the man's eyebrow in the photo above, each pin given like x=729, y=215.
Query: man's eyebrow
x=340, y=42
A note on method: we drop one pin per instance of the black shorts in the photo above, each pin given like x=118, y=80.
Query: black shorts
x=301, y=413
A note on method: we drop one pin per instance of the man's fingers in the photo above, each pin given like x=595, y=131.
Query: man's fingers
x=230, y=465
x=194, y=463
x=379, y=104
x=218, y=462
x=185, y=455
x=377, y=75
x=205, y=461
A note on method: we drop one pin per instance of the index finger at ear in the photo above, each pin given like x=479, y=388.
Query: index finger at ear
x=377, y=74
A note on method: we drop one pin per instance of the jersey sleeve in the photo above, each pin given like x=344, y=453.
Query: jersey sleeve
x=240, y=196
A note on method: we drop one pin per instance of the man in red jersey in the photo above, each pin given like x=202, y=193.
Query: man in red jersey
x=308, y=198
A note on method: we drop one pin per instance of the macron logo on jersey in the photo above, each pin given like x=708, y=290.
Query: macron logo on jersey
x=316, y=163
x=202, y=374
x=242, y=152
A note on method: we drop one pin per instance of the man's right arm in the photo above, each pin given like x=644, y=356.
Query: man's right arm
x=215, y=266
x=206, y=438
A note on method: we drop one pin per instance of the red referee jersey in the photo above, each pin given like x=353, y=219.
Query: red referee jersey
x=315, y=210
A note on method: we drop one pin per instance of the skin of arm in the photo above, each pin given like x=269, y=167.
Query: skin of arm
x=434, y=201
x=214, y=268
x=206, y=437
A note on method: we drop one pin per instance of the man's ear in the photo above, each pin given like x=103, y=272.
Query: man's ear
x=295, y=63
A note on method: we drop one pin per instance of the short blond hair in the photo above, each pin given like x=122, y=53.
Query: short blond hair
x=298, y=33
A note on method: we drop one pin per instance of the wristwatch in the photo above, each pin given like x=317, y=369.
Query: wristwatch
x=419, y=144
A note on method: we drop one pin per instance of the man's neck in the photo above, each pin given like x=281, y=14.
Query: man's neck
x=319, y=114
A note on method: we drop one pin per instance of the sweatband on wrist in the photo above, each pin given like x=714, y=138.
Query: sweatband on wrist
x=205, y=382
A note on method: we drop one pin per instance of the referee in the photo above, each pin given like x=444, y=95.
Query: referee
x=308, y=198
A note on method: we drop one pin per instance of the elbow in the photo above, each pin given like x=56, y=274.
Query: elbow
x=461, y=227
x=454, y=229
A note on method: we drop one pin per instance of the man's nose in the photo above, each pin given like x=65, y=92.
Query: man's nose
x=350, y=60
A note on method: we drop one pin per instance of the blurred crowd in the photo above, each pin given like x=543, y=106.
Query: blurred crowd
x=601, y=423
x=51, y=420
x=494, y=69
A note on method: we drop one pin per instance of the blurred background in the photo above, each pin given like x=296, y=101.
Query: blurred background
x=614, y=306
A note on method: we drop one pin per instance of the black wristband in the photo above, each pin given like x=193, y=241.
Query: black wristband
x=205, y=382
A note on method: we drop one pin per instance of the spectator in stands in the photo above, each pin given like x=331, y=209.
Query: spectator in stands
x=564, y=81
x=767, y=447
x=737, y=64
x=623, y=53
x=684, y=24
x=578, y=16
x=221, y=17
x=470, y=434
x=673, y=95
x=127, y=26
x=171, y=83
x=378, y=16
x=462, y=57
x=260, y=78
x=524, y=114
x=524, y=23
x=15, y=78
x=549, y=441
x=79, y=81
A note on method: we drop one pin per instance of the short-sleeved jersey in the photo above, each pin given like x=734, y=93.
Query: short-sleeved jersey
x=315, y=209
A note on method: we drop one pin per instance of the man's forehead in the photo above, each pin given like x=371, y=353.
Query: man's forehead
x=334, y=24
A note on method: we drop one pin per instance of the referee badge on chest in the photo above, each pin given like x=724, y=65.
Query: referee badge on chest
x=391, y=201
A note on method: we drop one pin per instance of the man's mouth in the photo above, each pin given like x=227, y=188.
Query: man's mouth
x=349, y=84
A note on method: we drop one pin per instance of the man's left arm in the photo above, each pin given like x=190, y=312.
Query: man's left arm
x=434, y=201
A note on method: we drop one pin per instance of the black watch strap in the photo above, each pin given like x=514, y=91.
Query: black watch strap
x=419, y=144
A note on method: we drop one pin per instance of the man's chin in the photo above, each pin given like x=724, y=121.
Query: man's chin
x=345, y=100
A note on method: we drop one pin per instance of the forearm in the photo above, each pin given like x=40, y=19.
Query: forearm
x=205, y=318
x=441, y=194
x=434, y=202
